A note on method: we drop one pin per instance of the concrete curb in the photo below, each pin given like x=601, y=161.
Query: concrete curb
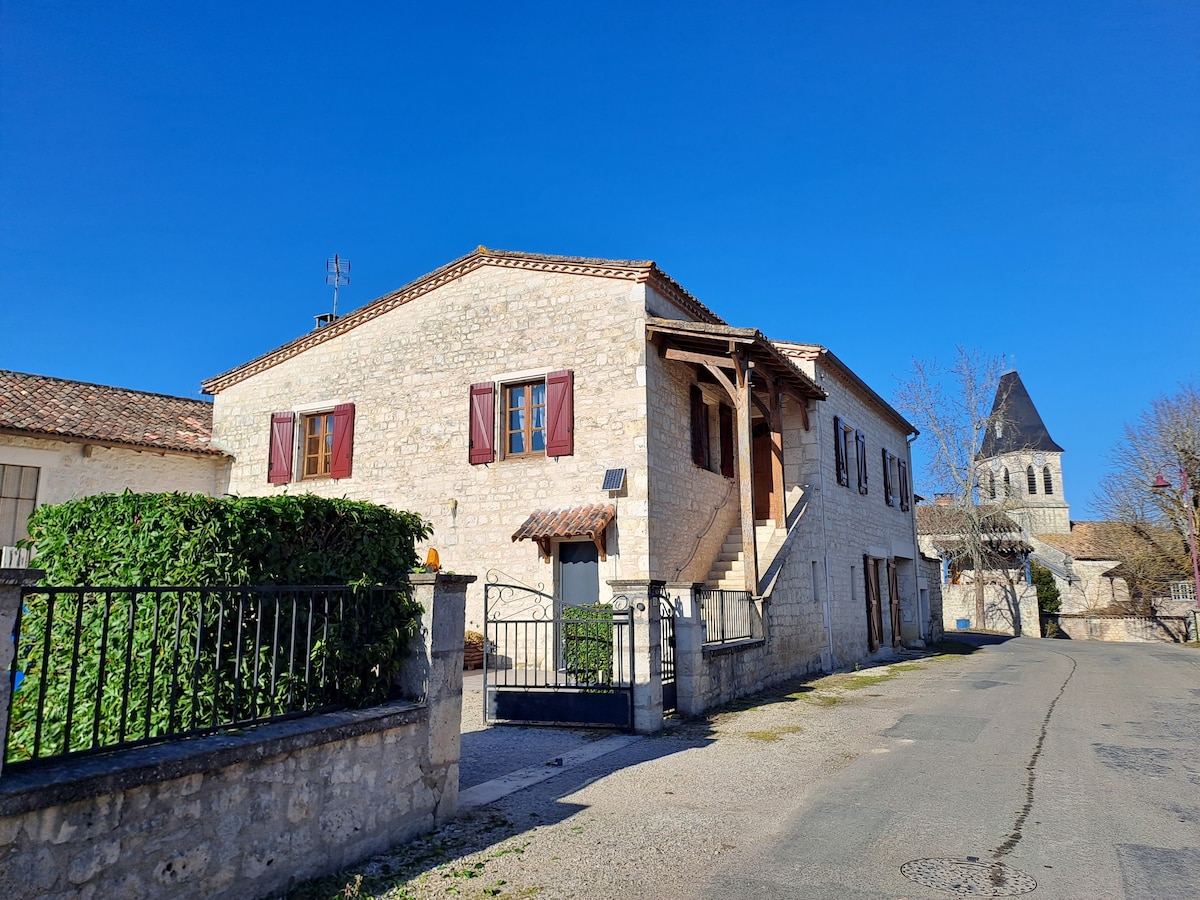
x=497, y=788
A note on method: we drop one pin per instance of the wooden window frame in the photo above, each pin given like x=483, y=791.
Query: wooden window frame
x=528, y=430
x=323, y=455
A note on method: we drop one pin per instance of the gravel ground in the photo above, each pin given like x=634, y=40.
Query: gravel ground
x=657, y=818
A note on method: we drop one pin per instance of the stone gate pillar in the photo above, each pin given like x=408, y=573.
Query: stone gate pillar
x=433, y=672
x=647, y=653
x=689, y=649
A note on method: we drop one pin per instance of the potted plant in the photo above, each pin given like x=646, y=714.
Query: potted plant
x=473, y=650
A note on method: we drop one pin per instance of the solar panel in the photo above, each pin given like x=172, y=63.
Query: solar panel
x=614, y=480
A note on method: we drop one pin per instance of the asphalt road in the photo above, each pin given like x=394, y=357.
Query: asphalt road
x=1039, y=768
x=1072, y=766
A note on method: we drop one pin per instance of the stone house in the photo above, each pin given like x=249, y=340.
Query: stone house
x=566, y=422
x=62, y=439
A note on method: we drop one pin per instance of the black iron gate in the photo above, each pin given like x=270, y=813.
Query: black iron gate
x=666, y=611
x=550, y=662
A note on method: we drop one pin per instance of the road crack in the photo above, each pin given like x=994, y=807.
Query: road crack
x=1010, y=843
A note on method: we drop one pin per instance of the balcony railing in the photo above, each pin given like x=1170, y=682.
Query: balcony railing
x=728, y=616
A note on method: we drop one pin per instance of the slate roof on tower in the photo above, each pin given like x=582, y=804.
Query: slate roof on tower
x=1020, y=425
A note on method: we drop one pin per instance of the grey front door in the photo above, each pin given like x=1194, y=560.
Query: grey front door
x=579, y=573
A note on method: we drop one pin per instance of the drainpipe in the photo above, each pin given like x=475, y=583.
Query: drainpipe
x=922, y=612
x=828, y=607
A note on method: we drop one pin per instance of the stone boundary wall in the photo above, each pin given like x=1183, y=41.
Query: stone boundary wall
x=247, y=815
x=1160, y=629
x=1009, y=609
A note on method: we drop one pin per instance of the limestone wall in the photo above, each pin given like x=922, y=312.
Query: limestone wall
x=1008, y=608
x=70, y=470
x=1162, y=629
x=839, y=527
x=409, y=371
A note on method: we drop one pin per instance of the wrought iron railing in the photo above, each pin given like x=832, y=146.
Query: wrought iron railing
x=102, y=668
x=727, y=615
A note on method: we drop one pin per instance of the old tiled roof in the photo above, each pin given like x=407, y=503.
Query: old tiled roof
x=567, y=521
x=703, y=337
x=1106, y=540
x=98, y=413
x=638, y=271
x=1021, y=425
x=948, y=519
x=817, y=353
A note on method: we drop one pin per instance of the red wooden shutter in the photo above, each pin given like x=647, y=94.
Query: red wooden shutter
x=888, y=497
x=904, y=495
x=860, y=447
x=343, y=440
x=725, y=417
x=483, y=413
x=839, y=451
x=279, y=460
x=560, y=413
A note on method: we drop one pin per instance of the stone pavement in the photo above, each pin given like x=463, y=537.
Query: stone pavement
x=497, y=761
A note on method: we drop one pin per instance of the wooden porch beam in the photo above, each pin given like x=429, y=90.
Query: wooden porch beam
x=703, y=359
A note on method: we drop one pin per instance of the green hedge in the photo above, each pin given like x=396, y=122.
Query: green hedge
x=190, y=540
x=178, y=540
x=588, y=643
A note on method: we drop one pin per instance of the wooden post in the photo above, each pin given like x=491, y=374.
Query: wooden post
x=742, y=410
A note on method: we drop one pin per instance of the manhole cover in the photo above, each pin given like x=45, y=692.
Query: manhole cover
x=968, y=877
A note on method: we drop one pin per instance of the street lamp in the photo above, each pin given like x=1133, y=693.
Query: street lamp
x=1161, y=485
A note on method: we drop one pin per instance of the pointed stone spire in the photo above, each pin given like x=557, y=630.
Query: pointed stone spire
x=1015, y=424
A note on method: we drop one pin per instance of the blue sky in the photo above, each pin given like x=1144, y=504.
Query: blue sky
x=888, y=179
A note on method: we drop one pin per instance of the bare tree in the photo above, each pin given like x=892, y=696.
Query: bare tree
x=953, y=409
x=1163, y=441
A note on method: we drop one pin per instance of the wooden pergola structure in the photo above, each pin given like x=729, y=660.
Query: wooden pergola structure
x=755, y=375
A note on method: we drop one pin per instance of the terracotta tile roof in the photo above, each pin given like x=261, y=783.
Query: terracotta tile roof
x=567, y=521
x=947, y=519
x=1107, y=540
x=637, y=271
x=827, y=358
x=98, y=413
x=717, y=339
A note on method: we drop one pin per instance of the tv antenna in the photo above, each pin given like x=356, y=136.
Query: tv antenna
x=338, y=274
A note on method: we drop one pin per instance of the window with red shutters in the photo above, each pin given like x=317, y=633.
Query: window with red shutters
x=537, y=418
x=283, y=445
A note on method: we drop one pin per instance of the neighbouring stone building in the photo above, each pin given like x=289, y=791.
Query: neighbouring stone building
x=568, y=422
x=1024, y=511
x=63, y=439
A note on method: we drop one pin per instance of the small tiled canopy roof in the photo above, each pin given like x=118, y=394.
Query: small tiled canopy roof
x=101, y=414
x=589, y=521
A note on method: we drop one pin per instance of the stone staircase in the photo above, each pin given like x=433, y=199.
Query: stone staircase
x=728, y=571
